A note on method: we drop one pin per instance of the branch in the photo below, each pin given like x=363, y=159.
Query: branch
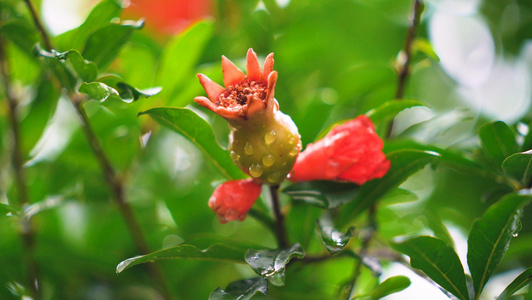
x=405, y=57
x=280, y=230
x=27, y=232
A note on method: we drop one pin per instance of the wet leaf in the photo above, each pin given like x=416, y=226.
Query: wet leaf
x=518, y=283
x=104, y=44
x=63, y=74
x=198, y=131
x=97, y=90
x=333, y=239
x=519, y=166
x=127, y=92
x=490, y=237
x=438, y=260
x=404, y=164
x=387, y=287
x=216, y=252
x=324, y=194
x=86, y=70
x=241, y=290
x=271, y=264
x=498, y=141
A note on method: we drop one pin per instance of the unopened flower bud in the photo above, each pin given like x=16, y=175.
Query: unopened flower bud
x=232, y=200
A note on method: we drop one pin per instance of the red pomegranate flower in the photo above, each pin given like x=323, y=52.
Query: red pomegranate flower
x=350, y=152
x=263, y=141
x=233, y=199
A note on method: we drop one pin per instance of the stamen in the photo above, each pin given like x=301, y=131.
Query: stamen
x=237, y=95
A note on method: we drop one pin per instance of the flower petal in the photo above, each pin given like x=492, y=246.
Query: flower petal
x=233, y=199
x=253, y=68
x=232, y=74
x=268, y=67
x=270, y=102
x=212, y=89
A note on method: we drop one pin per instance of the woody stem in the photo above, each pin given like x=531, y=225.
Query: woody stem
x=280, y=229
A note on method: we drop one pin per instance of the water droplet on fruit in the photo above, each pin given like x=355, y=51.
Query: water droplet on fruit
x=294, y=151
x=248, y=149
x=274, y=177
x=268, y=160
x=255, y=170
x=235, y=156
x=292, y=141
x=269, y=137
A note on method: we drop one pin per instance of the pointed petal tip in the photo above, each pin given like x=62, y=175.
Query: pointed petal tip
x=212, y=89
x=231, y=73
x=253, y=68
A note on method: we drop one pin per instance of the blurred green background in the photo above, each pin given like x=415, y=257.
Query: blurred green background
x=336, y=60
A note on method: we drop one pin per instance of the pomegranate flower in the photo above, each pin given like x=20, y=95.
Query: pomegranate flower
x=232, y=199
x=263, y=142
x=349, y=152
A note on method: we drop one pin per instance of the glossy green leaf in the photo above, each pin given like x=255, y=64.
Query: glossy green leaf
x=216, y=252
x=62, y=73
x=518, y=283
x=390, y=109
x=333, y=239
x=97, y=90
x=490, y=237
x=241, y=290
x=438, y=260
x=126, y=91
x=101, y=15
x=103, y=45
x=324, y=194
x=6, y=209
x=423, y=45
x=180, y=56
x=271, y=264
x=519, y=166
x=404, y=164
x=86, y=70
x=387, y=287
x=198, y=131
x=498, y=141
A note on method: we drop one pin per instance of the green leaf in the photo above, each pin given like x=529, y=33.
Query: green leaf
x=271, y=264
x=519, y=166
x=101, y=15
x=333, y=239
x=490, y=237
x=181, y=55
x=498, y=141
x=6, y=209
x=438, y=260
x=86, y=70
x=518, y=283
x=390, y=109
x=103, y=45
x=241, y=290
x=324, y=194
x=424, y=46
x=63, y=74
x=127, y=92
x=198, y=131
x=97, y=90
x=404, y=164
x=387, y=287
x=22, y=34
x=216, y=252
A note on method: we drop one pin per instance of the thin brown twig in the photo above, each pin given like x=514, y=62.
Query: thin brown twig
x=27, y=232
x=280, y=229
x=405, y=56
x=112, y=179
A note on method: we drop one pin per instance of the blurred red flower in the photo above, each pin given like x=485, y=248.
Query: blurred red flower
x=351, y=151
x=169, y=16
x=232, y=200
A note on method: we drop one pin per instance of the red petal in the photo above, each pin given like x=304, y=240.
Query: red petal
x=231, y=73
x=212, y=89
x=253, y=67
x=233, y=199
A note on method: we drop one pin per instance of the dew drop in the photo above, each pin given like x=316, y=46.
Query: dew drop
x=255, y=170
x=292, y=141
x=235, y=156
x=273, y=177
x=269, y=137
x=268, y=160
x=294, y=151
x=248, y=149
x=515, y=235
x=231, y=214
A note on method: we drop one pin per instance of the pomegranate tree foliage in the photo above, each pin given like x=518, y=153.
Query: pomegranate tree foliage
x=108, y=165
